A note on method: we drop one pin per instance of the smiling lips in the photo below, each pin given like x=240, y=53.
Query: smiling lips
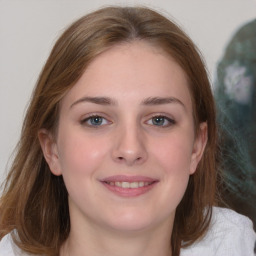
x=129, y=186
x=125, y=184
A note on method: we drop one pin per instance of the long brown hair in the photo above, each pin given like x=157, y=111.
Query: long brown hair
x=34, y=202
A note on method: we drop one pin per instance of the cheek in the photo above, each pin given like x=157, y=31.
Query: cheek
x=174, y=154
x=80, y=159
x=174, y=160
x=79, y=153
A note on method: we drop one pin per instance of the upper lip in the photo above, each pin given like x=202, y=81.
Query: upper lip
x=126, y=178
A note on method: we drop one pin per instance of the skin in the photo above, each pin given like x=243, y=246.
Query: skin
x=137, y=136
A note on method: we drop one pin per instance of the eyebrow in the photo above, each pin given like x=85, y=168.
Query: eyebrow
x=161, y=101
x=95, y=100
x=151, y=101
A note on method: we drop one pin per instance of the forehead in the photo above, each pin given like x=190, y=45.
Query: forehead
x=132, y=70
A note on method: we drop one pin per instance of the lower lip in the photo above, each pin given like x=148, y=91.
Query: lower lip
x=129, y=192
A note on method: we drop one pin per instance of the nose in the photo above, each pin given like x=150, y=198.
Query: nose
x=130, y=146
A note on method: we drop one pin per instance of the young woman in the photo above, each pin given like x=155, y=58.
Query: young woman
x=118, y=148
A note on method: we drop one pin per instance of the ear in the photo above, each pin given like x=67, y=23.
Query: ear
x=50, y=151
x=199, y=146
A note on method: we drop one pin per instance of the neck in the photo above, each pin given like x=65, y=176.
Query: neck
x=99, y=241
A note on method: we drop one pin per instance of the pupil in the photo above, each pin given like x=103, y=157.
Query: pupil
x=158, y=121
x=96, y=120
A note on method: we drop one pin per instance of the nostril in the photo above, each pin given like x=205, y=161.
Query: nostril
x=128, y=157
x=120, y=158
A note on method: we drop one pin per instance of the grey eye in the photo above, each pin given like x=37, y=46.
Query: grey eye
x=159, y=120
x=95, y=120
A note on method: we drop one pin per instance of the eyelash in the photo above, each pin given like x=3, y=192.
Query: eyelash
x=90, y=118
x=164, y=118
x=169, y=121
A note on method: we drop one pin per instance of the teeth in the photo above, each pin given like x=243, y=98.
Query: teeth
x=134, y=185
x=125, y=184
x=141, y=184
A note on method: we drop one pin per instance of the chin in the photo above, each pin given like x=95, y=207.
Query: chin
x=134, y=221
x=131, y=226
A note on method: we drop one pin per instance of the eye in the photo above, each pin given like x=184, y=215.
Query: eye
x=161, y=121
x=95, y=121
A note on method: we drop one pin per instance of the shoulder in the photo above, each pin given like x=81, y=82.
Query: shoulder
x=226, y=220
x=229, y=234
x=7, y=247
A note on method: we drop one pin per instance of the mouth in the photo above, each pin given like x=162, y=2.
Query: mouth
x=126, y=184
x=129, y=186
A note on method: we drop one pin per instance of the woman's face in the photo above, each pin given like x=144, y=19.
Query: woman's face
x=126, y=144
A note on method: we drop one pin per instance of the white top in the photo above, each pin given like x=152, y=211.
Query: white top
x=230, y=234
